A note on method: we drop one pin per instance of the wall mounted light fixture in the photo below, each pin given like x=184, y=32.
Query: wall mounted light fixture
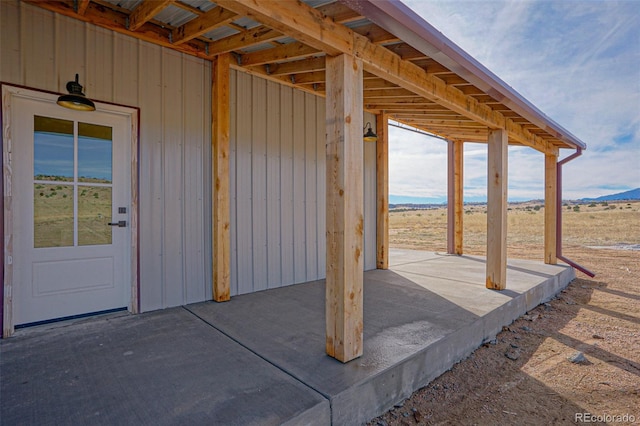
x=369, y=136
x=76, y=99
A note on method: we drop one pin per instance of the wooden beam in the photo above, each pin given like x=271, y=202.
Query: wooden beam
x=497, y=210
x=308, y=77
x=550, y=208
x=455, y=199
x=339, y=12
x=392, y=93
x=212, y=19
x=382, y=191
x=82, y=6
x=221, y=262
x=376, y=34
x=402, y=107
x=145, y=11
x=287, y=51
x=243, y=40
x=294, y=67
x=378, y=83
x=298, y=20
x=345, y=217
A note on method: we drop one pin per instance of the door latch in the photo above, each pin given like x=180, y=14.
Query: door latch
x=119, y=224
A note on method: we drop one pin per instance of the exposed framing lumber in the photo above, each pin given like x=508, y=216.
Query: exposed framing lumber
x=345, y=217
x=382, y=191
x=308, y=77
x=212, y=19
x=294, y=67
x=286, y=51
x=455, y=199
x=298, y=20
x=145, y=11
x=82, y=6
x=221, y=229
x=376, y=34
x=311, y=27
x=117, y=21
x=317, y=31
x=399, y=108
x=243, y=40
x=550, y=208
x=392, y=93
x=339, y=12
x=497, y=210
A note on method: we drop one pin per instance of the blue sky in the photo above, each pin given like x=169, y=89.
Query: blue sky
x=53, y=156
x=577, y=61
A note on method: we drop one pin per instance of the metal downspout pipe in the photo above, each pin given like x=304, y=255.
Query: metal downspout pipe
x=559, y=215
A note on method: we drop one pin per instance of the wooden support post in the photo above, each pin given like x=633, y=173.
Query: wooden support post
x=221, y=244
x=345, y=220
x=382, y=190
x=497, y=210
x=550, y=208
x=455, y=198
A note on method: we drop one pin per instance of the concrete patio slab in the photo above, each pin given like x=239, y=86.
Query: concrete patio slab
x=260, y=358
x=421, y=316
x=160, y=368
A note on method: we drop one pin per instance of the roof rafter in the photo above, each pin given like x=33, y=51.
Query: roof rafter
x=210, y=20
x=294, y=50
x=243, y=40
x=311, y=27
x=145, y=11
x=114, y=20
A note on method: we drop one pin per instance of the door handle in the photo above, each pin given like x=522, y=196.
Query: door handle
x=119, y=224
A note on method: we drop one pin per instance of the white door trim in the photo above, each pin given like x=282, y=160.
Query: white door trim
x=9, y=93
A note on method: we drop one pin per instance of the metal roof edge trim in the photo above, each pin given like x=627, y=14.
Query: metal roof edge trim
x=397, y=18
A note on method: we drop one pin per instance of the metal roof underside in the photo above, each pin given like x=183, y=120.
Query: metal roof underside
x=204, y=29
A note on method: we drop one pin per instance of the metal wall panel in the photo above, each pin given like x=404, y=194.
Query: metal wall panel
x=277, y=155
x=43, y=50
x=278, y=185
x=10, y=54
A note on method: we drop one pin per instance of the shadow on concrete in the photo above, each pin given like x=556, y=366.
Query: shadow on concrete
x=260, y=359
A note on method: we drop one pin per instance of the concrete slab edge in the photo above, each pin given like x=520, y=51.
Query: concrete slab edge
x=373, y=397
x=320, y=414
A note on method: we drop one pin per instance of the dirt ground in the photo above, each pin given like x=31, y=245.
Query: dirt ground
x=525, y=376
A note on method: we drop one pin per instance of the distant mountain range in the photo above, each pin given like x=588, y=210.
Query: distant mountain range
x=633, y=194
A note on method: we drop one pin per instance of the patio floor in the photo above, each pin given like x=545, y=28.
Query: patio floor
x=260, y=358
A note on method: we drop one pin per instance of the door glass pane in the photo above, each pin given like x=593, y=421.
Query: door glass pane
x=53, y=149
x=52, y=215
x=94, y=153
x=94, y=212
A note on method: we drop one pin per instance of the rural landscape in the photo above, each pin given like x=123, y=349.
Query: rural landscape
x=574, y=358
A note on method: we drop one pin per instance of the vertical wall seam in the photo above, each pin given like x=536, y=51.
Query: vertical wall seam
x=162, y=173
x=183, y=224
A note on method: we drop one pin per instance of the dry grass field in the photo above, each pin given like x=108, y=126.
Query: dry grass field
x=598, y=317
x=54, y=212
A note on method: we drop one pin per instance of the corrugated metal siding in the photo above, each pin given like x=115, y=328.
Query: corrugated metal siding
x=42, y=50
x=278, y=186
x=277, y=155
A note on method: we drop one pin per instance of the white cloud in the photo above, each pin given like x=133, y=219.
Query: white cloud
x=577, y=61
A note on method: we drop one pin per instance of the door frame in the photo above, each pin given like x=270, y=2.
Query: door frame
x=10, y=92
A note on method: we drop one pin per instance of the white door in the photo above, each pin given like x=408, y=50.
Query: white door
x=71, y=211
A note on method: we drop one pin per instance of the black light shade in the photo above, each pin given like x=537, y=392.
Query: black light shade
x=76, y=99
x=369, y=136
